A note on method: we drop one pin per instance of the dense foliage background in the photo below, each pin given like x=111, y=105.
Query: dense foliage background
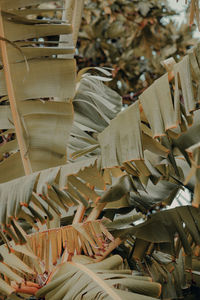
x=132, y=37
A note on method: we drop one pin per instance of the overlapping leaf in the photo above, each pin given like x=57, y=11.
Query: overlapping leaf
x=101, y=279
x=181, y=220
x=65, y=242
x=34, y=197
x=94, y=106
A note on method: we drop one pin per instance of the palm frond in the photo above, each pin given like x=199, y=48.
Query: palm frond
x=15, y=269
x=95, y=105
x=164, y=270
x=148, y=147
x=142, y=145
x=37, y=196
x=45, y=249
x=92, y=280
x=159, y=122
x=39, y=86
x=183, y=221
x=90, y=237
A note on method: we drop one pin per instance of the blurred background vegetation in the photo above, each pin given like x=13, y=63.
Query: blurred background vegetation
x=133, y=37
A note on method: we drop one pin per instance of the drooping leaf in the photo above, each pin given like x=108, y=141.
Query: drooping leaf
x=89, y=280
x=119, y=142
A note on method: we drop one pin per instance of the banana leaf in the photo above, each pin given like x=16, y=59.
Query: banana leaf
x=39, y=86
x=89, y=280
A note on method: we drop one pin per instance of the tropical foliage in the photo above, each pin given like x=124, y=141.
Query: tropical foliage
x=133, y=38
x=92, y=223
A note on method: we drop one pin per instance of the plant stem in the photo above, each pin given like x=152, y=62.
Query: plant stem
x=96, y=211
x=73, y=14
x=79, y=214
x=13, y=103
